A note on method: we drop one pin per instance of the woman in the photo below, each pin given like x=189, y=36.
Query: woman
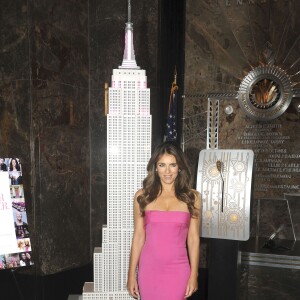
x=15, y=172
x=22, y=259
x=2, y=262
x=21, y=246
x=27, y=245
x=3, y=166
x=166, y=215
x=29, y=262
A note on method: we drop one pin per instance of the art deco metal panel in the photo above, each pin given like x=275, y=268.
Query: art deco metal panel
x=212, y=123
x=224, y=180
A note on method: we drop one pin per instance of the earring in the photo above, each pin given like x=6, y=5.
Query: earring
x=179, y=170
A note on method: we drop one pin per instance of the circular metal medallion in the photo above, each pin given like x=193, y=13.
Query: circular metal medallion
x=265, y=93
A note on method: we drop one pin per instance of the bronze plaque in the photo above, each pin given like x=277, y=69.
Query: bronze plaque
x=276, y=146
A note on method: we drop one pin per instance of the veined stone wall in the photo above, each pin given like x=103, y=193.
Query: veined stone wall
x=225, y=40
x=55, y=59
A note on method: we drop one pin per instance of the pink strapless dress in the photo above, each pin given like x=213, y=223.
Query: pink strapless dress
x=164, y=266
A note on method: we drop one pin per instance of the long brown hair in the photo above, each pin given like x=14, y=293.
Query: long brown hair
x=152, y=187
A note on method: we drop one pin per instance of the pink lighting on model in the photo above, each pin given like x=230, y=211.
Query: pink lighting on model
x=129, y=57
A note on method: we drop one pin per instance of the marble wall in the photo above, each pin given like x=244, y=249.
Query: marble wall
x=55, y=59
x=224, y=40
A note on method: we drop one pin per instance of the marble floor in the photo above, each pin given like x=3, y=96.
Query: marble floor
x=75, y=297
x=269, y=274
x=255, y=282
x=269, y=283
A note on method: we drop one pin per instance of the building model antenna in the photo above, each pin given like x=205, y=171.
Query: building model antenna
x=129, y=11
x=129, y=57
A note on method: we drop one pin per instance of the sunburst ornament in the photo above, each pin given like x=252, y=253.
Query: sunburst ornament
x=238, y=166
x=233, y=218
x=265, y=93
x=211, y=171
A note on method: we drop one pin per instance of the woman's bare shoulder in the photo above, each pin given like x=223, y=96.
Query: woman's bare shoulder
x=197, y=198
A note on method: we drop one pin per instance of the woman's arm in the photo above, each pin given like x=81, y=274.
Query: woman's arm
x=193, y=242
x=136, y=248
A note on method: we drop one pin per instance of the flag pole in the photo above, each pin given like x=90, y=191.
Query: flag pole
x=171, y=130
x=182, y=125
x=183, y=118
x=175, y=76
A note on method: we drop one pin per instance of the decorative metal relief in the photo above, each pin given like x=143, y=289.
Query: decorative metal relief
x=224, y=181
x=265, y=93
x=212, y=123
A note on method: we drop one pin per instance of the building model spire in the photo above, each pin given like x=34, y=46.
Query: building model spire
x=129, y=57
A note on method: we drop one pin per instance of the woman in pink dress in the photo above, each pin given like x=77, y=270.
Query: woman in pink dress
x=167, y=219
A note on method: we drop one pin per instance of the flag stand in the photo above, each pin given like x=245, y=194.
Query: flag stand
x=171, y=131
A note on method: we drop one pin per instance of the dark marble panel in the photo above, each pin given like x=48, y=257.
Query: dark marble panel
x=63, y=178
x=15, y=100
x=210, y=30
x=15, y=121
x=294, y=206
x=195, y=116
x=14, y=83
x=267, y=283
x=242, y=28
x=274, y=216
x=257, y=17
x=60, y=43
x=106, y=39
x=284, y=31
x=60, y=116
x=98, y=167
x=14, y=43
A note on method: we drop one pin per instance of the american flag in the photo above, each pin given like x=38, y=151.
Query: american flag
x=171, y=126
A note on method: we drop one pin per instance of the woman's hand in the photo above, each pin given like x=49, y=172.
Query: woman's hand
x=132, y=287
x=192, y=286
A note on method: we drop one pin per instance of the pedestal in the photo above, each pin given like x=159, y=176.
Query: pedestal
x=222, y=269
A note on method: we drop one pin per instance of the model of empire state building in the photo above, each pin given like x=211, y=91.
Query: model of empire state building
x=128, y=152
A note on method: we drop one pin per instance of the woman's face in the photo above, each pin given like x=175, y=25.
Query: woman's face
x=167, y=168
x=13, y=163
x=28, y=255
